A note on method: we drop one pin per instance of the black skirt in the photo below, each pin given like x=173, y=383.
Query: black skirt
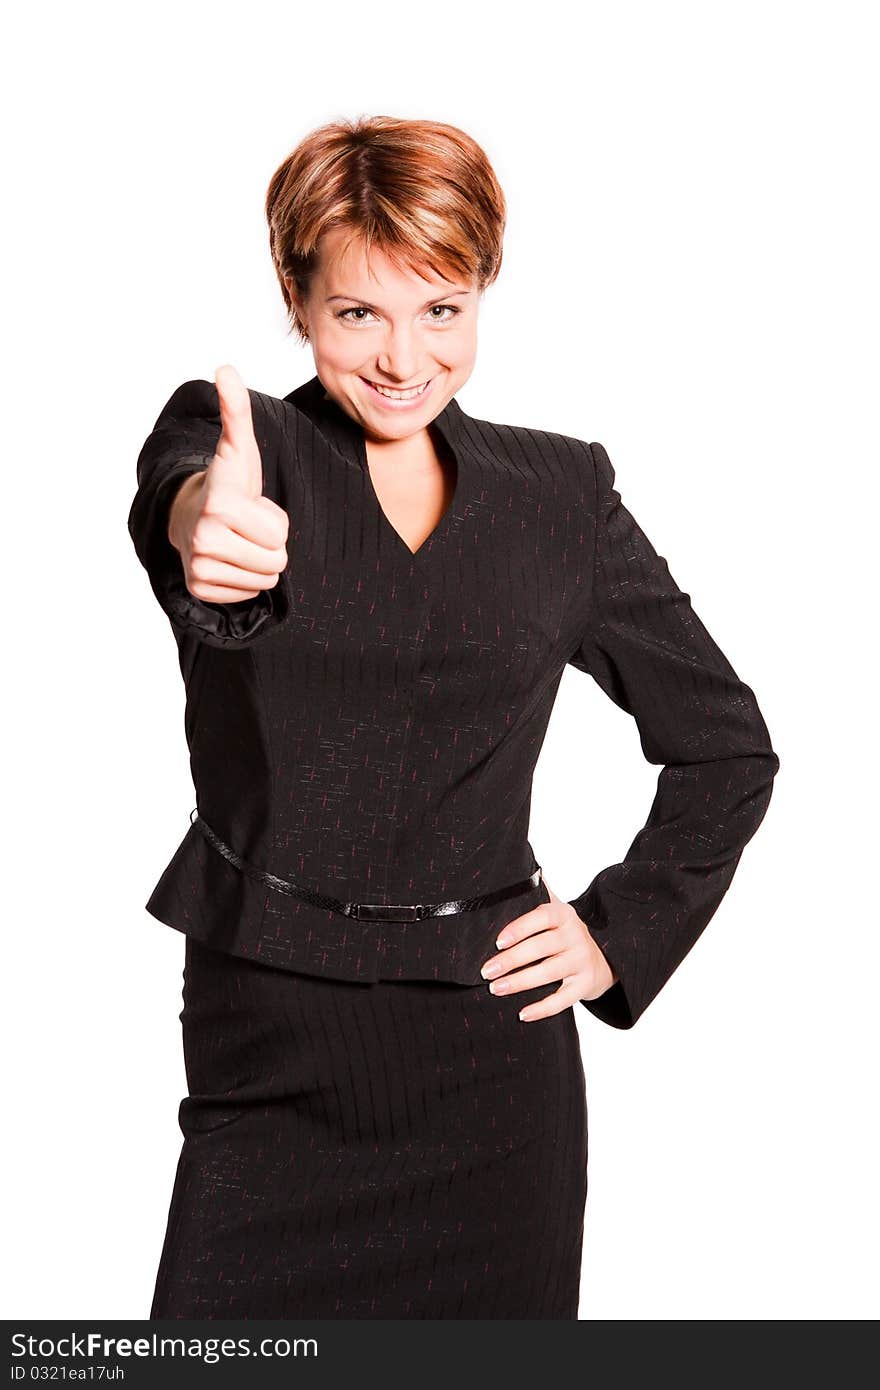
x=400, y=1149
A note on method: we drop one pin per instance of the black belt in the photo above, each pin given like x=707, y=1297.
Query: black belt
x=371, y=912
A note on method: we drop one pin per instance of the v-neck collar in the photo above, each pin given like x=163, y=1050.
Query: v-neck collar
x=348, y=436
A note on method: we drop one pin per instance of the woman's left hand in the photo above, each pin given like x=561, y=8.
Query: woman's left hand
x=555, y=936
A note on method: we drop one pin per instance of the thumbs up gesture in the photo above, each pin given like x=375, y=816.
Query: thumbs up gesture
x=232, y=540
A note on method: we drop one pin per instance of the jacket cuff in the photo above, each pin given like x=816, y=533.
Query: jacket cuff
x=618, y=1006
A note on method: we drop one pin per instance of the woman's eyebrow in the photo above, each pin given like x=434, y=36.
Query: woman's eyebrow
x=453, y=294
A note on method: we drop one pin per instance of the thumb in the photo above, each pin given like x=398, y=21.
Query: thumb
x=236, y=461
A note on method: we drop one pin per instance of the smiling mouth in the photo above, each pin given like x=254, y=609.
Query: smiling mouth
x=398, y=393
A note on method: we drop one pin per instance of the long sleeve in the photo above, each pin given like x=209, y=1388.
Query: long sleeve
x=183, y=441
x=649, y=652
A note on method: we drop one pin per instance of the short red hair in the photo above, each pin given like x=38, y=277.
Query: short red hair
x=421, y=191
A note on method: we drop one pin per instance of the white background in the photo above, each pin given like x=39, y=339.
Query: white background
x=690, y=277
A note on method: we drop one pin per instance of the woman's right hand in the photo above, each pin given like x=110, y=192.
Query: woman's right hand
x=232, y=540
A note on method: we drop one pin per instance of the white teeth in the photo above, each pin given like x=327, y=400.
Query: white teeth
x=399, y=395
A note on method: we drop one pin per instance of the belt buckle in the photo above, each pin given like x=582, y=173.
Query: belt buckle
x=395, y=912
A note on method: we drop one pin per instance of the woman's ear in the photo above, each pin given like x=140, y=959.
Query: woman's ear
x=295, y=299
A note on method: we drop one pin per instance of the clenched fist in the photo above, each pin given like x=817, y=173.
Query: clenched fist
x=232, y=540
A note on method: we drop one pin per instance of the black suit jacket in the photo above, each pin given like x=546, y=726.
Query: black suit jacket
x=369, y=728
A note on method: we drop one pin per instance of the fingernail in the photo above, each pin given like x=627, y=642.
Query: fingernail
x=501, y=942
x=489, y=969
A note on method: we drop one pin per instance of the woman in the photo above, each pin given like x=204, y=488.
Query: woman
x=374, y=597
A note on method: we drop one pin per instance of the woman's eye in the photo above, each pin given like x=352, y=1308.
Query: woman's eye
x=451, y=309
x=343, y=314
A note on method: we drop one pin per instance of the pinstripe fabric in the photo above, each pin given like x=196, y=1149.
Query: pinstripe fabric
x=397, y=1149
x=370, y=727
x=368, y=1132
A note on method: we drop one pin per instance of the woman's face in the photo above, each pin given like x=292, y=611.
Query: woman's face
x=373, y=322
